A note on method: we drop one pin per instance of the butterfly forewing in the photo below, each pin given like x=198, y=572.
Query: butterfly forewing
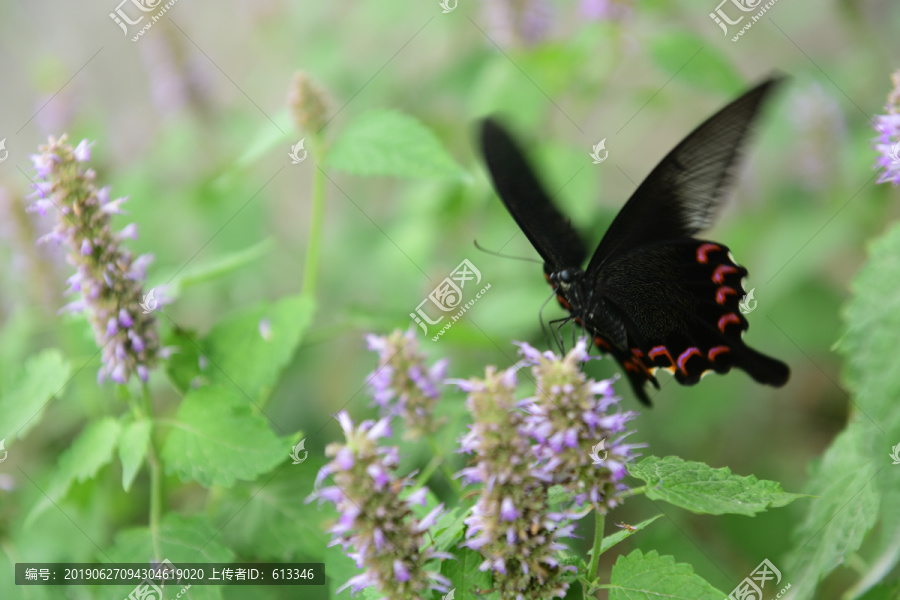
x=681, y=195
x=549, y=232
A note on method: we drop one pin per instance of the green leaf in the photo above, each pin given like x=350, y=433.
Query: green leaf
x=270, y=520
x=90, y=451
x=844, y=511
x=181, y=540
x=465, y=578
x=236, y=352
x=650, y=576
x=133, y=445
x=218, y=267
x=217, y=439
x=450, y=528
x=393, y=144
x=22, y=401
x=695, y=62
x=702, y=489
x=611, y=540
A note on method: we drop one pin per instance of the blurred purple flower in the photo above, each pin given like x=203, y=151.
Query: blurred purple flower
x=518, y=21
x=887, y=144
x=511, y=524
x=606, y=9
x=111, y=292
x=820, y=130
x=402, y=384
x=376, y=527
x=573, y=420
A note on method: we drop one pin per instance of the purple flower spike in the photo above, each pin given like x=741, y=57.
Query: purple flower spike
x=110, y=288
x=571, y=420
x=385, y=539
x=402, y=384
x=887, y=144
x=514, y=495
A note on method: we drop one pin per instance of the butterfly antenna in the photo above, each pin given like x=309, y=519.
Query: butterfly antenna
x=495, y=253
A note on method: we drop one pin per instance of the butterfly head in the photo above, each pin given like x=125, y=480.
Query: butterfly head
x=566, y=279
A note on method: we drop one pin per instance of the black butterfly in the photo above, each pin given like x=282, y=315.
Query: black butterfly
x=652, y=295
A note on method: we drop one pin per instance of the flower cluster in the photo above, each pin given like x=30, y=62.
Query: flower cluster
x=386, y=539
x=512, y=523
x=402, y=384
x=577, y=435
x=888, y=141
x=107, y=277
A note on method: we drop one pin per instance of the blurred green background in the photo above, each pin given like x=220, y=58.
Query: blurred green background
x=191, y=122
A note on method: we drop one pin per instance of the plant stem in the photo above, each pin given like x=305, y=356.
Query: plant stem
x=155, y=478
x=317, y=221
x=598, y=541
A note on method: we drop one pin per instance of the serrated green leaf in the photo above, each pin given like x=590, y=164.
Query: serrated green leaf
x=650, y=576
x=611, y=540
x=702, y=489
x=236, y=352
x=450, y=528
x=181, y=540
x=90, y=451
x=465, y=578
x=22, y=401
x=695, y=62
x=855, y=476
x=269, y=518
x=217, y=439
x=845, y=509
x=133, y=444
x=393, y=144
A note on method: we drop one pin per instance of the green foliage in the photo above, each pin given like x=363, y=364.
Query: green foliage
x=611, y=540
x=465, y=576
x=394, y=144
x=640, y=576
x=217, y=439
x=696, y=62
x=701, y=489
x=23, y=398
x=91, y=450
x=133, y=445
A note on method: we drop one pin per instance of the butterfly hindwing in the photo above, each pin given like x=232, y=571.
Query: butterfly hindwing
x=679, y=301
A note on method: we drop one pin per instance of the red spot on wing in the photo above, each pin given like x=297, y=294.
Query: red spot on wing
x=660, y=351
x=685, y=356
x=562, y=300
x=721, y=271
x=703, y=250
x=725, y=320
x=717, y=350
x=722, y=293
x=601, y=343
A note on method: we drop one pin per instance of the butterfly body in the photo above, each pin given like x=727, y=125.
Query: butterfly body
x=653, y=295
